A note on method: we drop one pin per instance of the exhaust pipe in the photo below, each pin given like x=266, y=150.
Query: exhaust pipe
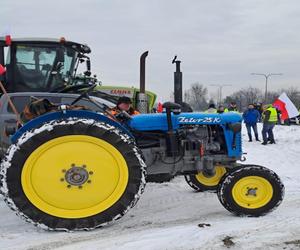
x=177, y=82
x=142, y=100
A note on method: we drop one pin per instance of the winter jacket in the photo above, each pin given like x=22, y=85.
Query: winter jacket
x=270, y=116
x=251, y=116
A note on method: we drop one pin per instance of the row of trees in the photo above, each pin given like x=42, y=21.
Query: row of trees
x=197, y=97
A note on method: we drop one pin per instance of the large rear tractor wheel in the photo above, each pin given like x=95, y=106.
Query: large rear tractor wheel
x=74, y=174
x=202, y=183
x=250, y=191
x=160, y=178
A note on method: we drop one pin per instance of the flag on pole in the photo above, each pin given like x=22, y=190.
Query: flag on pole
x=159, y=107
x=285, y=105
x=2, y=69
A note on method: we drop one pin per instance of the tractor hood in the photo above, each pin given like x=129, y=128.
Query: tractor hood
x=146, y=122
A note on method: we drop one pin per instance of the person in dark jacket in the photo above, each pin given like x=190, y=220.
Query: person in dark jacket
x=258, y=106
x=251, y=116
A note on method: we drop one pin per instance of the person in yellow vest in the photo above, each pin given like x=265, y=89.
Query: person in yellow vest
x=269, y=118
x=124, y=104
x=232, y=107
x=211, y=108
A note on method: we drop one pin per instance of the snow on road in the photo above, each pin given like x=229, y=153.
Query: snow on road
x=169, y=214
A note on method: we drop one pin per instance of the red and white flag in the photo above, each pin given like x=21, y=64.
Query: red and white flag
x=285, y=105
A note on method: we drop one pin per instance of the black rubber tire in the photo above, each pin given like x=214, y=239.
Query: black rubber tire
x=228, y=181
x=194, y=183
x=12, y=164
x=159, y=178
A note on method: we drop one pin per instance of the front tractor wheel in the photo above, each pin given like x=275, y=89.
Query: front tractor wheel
x=202, y=183
x=73, y=175
x=250, y=190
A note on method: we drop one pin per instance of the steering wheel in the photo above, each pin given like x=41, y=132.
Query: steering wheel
x=84, y=94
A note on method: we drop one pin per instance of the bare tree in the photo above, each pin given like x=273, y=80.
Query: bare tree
x=196, y=96
x=252, y=95
x=244, y=97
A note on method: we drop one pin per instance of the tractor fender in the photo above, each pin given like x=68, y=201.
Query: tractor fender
x=69, y=114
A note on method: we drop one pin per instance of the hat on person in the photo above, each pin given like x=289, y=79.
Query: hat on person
x=124, y=99
x=212, y=105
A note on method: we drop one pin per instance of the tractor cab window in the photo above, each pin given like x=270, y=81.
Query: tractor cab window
x=42, y=68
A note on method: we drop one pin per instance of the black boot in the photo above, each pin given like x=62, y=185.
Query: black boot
x=265, y=143
x=272, y=142
x=250, y=137
x=256, y=137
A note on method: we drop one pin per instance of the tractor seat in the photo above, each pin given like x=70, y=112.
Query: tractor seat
x=171, y=105
x=31, y=79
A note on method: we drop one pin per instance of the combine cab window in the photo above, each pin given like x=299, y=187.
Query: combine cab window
x=40, y=68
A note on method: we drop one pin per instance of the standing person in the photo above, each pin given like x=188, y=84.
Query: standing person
x=269, y=118
x=124, y=104
x=232, y=107
x=221, y=109
x=211, y=108
x=251, y=117
x=259, y=108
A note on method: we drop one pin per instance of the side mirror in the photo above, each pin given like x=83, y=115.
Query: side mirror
x=88, y=67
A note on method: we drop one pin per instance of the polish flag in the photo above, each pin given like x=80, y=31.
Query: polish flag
x=285, y=105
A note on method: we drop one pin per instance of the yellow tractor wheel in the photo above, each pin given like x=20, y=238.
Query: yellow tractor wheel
x=201, y=183
x=75, y=176
x=250, y=190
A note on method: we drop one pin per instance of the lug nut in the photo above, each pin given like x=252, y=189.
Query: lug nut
x=80, y=187
x=62, y=179
x=91, y=172
x=73, y=165
x=84, y=166
x=64, y=171
x=69, y=186
x=89, y=181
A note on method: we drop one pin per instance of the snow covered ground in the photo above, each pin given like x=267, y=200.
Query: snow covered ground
x=168, y=215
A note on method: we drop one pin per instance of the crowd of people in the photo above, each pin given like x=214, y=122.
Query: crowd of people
x=267, y=114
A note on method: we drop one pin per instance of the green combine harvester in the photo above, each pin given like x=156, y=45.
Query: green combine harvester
x=51, y=65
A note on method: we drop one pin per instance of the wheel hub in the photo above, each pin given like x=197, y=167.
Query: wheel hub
x=76, y=176
x=251, y=191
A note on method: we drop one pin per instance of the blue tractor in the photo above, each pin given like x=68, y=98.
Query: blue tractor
x=79, y=170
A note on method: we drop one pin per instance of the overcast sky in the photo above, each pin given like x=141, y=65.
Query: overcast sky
x=218, y=42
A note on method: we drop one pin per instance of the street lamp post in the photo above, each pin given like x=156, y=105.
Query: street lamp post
x=267, y=77
x=220, y=86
